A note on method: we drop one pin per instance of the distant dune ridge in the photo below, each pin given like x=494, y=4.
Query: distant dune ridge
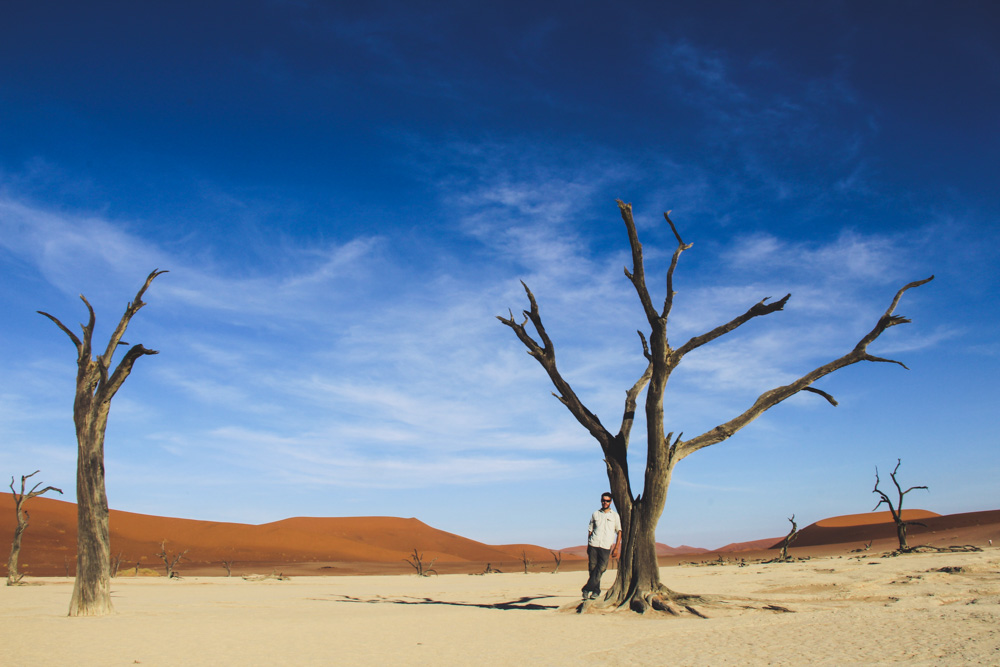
x=380, y=545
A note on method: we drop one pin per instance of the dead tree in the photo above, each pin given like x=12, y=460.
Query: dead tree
x=417, y=561
x=557, y=555
x=792, y=535
x=228, y=564
x=116, y=563
x=96, y=385
x=526, y=561
x=637, y=584
x=897, y=511
x=22, y=522
x=170, y=561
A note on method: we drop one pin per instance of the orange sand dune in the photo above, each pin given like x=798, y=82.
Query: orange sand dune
x=329, y=545
x=870, y=518
x=857, y=529
x=380, y=545
x=752, y=545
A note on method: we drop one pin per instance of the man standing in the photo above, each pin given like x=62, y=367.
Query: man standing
x=603, y=536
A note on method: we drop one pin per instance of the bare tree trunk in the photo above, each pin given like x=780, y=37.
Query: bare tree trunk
x=637, y=584
x=95, y=387
x=13, y=577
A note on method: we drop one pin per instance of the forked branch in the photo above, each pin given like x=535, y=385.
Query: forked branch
x=774, y=396
x=545, y=354
x=130, y=310
x=95, y=372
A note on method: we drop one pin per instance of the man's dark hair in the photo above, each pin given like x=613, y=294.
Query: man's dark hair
x=607, y=494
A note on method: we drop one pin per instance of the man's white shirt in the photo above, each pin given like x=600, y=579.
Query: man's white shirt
x=604, y=528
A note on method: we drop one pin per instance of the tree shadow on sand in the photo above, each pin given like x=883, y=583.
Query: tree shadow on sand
x=525, y=603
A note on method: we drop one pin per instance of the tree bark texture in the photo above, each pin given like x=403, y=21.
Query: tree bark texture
x=637, y=584
x=96, y=385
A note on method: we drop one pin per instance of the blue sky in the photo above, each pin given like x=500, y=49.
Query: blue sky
x=347, y=194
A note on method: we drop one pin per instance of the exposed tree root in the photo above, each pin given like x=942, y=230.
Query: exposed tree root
x=927, y=548
x=670, y=604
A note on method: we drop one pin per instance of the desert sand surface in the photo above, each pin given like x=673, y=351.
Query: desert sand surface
x=843, y=600
x=866, y=608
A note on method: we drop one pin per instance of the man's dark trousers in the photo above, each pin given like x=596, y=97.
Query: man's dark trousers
x=597, y=563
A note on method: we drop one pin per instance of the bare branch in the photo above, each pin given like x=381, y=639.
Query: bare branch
x=130, y=310
x=545, y=354
x=19, y=498
x=645, y=346
x=638, y=274
x=869, y=357
x=774, y=396
x=822, y=393
x=631, y=400
x=112, y=385
x=757, y=310
x=668, y=302
x=72, y=336
x=888, y=320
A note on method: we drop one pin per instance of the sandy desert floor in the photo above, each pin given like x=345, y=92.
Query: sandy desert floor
x=919, y=609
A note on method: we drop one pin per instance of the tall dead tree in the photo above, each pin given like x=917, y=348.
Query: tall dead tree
x=638, y=583
x=96, y=385
x=22, y=521
x=897, y=511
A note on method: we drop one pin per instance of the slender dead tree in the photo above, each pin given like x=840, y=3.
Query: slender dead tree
x=897, y=511
x=116, y=563
x=557, y=556
x=792, y=535
x=638, y=583
x=96, y=385
x=526, y=561
x=22, y=521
